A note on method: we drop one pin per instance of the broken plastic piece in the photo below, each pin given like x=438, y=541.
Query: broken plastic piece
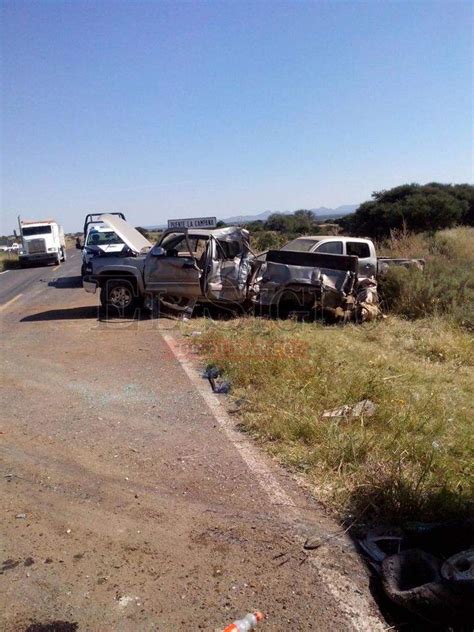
x=379, y=543
x=248, y=623
x=364, y=408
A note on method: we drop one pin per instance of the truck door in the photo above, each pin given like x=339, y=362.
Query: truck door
x=367, y=263
x=172, y=267
x=227, y=270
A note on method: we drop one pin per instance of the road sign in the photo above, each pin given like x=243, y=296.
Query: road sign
x=193, y=222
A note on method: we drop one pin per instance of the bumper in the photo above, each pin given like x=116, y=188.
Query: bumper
x=36, y=258
x=90, y=286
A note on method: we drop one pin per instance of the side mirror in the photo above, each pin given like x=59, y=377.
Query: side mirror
x=157, y=251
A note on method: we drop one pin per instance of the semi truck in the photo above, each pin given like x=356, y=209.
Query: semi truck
x=42, y=241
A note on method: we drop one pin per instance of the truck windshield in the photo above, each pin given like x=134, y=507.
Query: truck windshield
x=28, y=231
x=101, y=238
x=302, y=245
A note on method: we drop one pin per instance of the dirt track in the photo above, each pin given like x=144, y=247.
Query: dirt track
x=140, y=513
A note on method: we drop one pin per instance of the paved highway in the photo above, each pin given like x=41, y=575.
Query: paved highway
x=19, y=281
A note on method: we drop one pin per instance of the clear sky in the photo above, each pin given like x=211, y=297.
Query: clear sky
x=178, y=109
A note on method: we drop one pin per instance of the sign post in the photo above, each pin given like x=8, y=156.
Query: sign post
x=193, y=222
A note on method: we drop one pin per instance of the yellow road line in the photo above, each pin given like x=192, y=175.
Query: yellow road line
x=56, y=267
x=12, y=300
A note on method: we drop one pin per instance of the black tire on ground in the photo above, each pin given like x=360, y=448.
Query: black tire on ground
x=412, y=579
x=119, y=295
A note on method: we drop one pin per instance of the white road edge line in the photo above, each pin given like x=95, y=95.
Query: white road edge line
x=5, y=271
x=8, y=303
x=355, y=606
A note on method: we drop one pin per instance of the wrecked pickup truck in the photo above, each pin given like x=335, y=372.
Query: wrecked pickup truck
x=189, y=266
x=186, y=266
x=337, y=274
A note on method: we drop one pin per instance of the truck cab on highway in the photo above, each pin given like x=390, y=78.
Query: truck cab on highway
x=42, y=241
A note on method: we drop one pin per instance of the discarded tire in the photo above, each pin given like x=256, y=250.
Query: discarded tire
x=413, y=580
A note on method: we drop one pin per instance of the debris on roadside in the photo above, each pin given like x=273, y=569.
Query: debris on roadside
x=427, y=568
x=213, y=374
x=21, y=516
x=247, y=624
x=364, y=408
x=220, y=386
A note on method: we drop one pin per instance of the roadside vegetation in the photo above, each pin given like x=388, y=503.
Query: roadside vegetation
x=413, y=458
x=8, y=260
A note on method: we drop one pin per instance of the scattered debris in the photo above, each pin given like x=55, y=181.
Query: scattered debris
x=21, y=516
x=9, y=564
x=29, y=561
x=211, y=372
x=220, y=386
x=53, y=626
x=126, y=600
x=379, y=543
x=364, y=408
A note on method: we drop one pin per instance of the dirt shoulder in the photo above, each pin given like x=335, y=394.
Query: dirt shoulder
x=125, y=505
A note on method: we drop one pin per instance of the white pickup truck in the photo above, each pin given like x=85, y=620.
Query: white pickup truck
x=42, y=241
x=369, y=264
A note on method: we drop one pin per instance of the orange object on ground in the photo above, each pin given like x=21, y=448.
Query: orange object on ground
x=248, y=623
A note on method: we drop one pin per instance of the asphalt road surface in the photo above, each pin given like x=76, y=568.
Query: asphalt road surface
x=128, y=499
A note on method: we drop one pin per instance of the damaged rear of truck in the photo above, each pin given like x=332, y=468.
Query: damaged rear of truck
x=324, y=284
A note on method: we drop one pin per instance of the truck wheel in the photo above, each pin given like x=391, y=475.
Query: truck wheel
x=58, y=259
x=63, y=254
x=119, y=295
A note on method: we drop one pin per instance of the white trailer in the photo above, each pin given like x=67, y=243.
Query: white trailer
x=42, y=242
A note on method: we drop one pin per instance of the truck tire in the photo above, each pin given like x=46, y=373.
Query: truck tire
x=63, y=254
x=118, y=295
x=58, y=259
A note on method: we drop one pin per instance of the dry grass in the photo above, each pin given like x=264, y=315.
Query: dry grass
x=413, y=458
x=445, y=287
x=8, y=260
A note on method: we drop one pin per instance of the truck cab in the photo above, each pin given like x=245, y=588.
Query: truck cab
x=42, y=242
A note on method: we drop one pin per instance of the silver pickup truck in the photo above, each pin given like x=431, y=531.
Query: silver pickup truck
x=184, y=266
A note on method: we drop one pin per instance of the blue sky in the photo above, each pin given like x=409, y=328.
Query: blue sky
x=174, y=109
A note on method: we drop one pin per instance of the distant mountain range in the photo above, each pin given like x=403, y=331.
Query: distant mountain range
x=322, y=213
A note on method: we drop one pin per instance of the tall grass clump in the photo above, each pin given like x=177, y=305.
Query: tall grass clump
x=445, y=287
x=8, y=261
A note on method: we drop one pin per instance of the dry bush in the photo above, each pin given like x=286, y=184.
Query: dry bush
x=445, y=287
